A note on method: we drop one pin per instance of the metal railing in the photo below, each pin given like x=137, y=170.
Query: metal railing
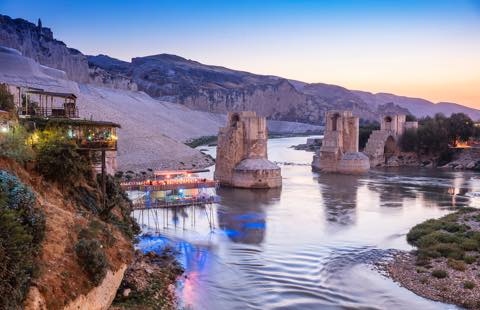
x=50, y=112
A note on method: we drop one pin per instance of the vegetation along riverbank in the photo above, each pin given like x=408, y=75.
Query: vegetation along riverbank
x=446, y=263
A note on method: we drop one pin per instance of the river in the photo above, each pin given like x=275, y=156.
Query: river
x=311, y=244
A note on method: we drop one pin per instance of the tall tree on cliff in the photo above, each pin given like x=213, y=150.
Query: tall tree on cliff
x=39, y=25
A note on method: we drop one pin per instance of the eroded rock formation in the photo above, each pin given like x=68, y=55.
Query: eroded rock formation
x=242, y=159
x=37, y=42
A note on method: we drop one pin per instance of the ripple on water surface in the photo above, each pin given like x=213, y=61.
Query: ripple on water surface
x=313, y=243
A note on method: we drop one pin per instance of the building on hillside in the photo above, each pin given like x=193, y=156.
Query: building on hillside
x=242, y=159
x=383, y=144
x=38, y=109
x=339, y=151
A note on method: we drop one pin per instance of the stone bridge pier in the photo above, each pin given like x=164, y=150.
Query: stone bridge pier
x=242, y=159
x=339, y=151
x=383, y=144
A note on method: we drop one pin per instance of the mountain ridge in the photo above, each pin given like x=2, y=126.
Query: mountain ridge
x=208, y=87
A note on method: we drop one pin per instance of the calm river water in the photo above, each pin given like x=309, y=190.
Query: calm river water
x=311, y=244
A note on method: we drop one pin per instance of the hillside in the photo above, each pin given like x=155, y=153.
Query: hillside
x=152, y=132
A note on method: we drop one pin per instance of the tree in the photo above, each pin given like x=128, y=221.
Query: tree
x=460, y=128
x=6, y=99
x=408, y=142
x=61, y=162
x=410, y=118
x=365, y=131
x=39, y=24
x=433, y=134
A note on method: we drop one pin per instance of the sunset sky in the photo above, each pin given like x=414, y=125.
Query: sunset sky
x=428, y=49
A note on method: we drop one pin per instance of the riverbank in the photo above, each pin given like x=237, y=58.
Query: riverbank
x=446, y=266
x=149, y=282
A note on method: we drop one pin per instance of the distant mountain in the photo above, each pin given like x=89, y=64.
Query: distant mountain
x=211, y=88
x=417, y=106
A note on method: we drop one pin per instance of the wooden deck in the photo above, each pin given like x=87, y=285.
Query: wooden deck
x=144, y=205
x=167, y=185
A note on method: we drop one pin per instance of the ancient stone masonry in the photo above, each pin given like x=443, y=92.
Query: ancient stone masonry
x=339, y=151
x=382, y=144
x=242, y=153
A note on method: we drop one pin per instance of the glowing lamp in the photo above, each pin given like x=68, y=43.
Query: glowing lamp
x=4, y=129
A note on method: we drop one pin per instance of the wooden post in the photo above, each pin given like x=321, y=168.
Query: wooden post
x=104, y=180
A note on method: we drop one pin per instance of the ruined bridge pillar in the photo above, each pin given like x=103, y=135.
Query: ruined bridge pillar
x=339, y=151
x=242, y=159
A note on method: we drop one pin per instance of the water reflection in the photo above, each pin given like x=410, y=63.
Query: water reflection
x=242, y=213
x=339, y=194
x=311, y=244
x=433, y=187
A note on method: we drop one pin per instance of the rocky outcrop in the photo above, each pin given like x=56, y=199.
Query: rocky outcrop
x=37, y=42
x=100, y=297
x=110, y=72
x=101, y=77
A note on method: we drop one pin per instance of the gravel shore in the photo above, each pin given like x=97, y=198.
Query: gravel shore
x=451, y=289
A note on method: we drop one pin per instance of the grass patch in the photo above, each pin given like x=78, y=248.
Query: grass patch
x=204, y=140
x=470, y=259
x=469, y=285
x=439, y=274
x=446, y=238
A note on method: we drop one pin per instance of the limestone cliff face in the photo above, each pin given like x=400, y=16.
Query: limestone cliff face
x=110, y=72
x=221, y=90
x=101, y=77
x=37, y=42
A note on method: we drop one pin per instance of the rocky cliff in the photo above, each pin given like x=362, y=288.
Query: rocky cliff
x=220, y=90
x=37, y=42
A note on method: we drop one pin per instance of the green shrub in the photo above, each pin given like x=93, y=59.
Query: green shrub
x=21, y=232
x=61, y=162
x=408, y=142
x=469, y=245
x=6, y=99
x=14, y=146
x=439, y=274
x=98, y=230
x=469, y=259
x=92, y=258
x=456, y=264
x=468, y=285
x=449, y=250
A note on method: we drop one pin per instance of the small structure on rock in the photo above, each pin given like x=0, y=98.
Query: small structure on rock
x=383, y=144
x=242, y=153
x=339, y=151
